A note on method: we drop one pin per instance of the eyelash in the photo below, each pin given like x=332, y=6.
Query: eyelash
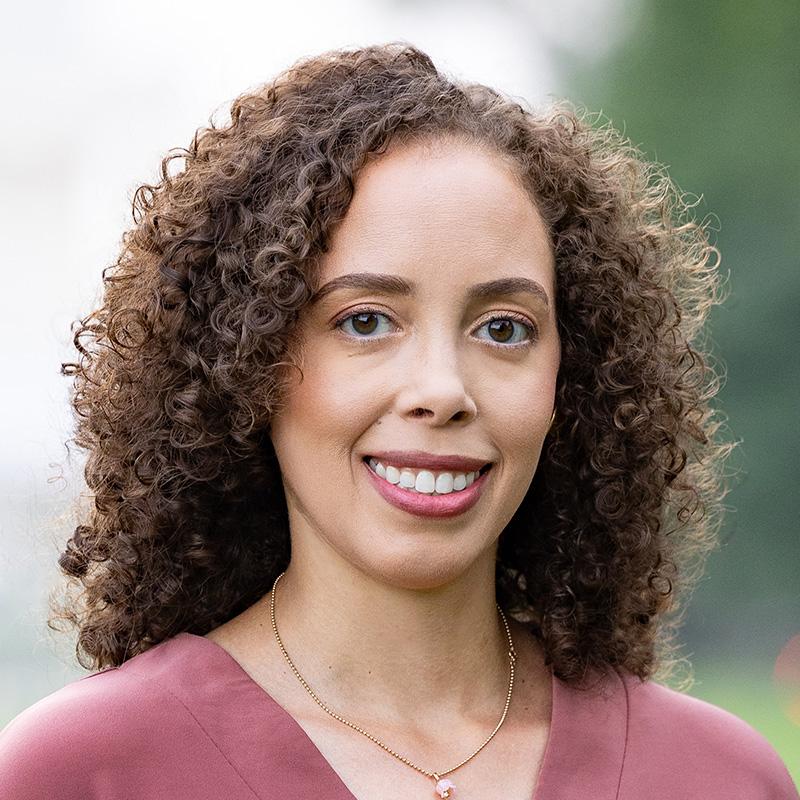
x=512, y=315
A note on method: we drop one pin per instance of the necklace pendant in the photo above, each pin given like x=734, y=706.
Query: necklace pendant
x=444, y=787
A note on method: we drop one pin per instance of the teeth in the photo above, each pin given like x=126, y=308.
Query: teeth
x=424, y=481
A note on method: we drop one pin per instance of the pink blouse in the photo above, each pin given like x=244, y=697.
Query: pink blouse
x=184, y=721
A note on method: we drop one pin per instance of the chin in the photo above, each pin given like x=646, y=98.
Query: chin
x=420, y=571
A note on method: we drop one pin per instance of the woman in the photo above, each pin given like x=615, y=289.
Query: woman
x=400, y=446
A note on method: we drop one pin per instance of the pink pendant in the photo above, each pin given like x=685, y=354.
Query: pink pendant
x=444, y=787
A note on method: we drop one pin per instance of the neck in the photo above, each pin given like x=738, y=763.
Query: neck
x=363, y=645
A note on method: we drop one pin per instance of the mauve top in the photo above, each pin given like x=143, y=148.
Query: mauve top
x=184, y=721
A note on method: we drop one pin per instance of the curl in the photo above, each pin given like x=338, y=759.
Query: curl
x=185, y=362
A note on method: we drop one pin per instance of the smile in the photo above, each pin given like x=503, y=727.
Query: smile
x=417, y=491
x=425, y=481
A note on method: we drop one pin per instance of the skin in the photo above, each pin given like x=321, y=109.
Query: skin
x=391, y=617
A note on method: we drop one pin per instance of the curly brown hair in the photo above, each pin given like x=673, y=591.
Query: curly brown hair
x=184, y=362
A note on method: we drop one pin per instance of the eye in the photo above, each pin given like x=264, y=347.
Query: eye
x=362, y=322
x=502, y=326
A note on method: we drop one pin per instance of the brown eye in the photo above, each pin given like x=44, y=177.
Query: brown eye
x=503, y=328
x=364, y=323
x=361, y=324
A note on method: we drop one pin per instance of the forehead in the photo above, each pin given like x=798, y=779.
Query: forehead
x=441, y=208
x=439, y=183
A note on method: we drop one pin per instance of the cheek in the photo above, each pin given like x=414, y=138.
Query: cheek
x=326, y=412
x=521, y=400
x=521, y=456
x=526, y=415
x=519, y=425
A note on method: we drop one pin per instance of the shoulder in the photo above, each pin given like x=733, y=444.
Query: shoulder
x=44, y=749
x=84, y=739
x=689, y=745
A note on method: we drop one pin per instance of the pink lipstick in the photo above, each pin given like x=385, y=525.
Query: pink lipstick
x=428, y=505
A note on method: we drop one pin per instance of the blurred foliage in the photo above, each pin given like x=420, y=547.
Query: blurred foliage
x=712, y=90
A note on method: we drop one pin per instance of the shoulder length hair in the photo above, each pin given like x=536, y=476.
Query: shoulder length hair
x=184, y=362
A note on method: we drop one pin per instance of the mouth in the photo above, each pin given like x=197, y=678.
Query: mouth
x=432, y=505
x=482, y=471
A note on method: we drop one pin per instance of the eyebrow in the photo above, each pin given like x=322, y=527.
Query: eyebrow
x=394, y=284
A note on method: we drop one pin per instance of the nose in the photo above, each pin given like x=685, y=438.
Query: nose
x=435, y=386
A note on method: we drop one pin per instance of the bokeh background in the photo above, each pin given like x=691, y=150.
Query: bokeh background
x=96, y=93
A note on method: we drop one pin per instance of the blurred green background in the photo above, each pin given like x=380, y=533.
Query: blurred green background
x=712, y=90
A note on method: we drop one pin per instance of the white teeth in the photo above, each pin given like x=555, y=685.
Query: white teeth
x=445, y=483
x=427, y=483
x=407, y=479
x=424, y=481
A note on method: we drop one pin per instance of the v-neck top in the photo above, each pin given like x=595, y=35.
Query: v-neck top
x=183, y=720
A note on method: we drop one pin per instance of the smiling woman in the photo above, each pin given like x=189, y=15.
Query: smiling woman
x=418, y=353
x=402, y=459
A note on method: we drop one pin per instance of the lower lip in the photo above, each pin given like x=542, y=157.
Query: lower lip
x=427, y=505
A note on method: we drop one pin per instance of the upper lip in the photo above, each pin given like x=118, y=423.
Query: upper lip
x=418, y=458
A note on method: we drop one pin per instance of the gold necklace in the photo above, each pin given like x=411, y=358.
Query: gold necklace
x=444, y=786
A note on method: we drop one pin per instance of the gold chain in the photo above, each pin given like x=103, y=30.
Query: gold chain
x=445, y=790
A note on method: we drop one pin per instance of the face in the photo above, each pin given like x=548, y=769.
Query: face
x=424, y=362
